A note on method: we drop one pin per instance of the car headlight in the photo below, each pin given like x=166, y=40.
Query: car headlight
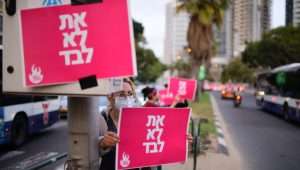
x=261, y=93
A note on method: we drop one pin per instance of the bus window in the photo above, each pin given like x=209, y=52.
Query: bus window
x=9, y=99
x=39, y=98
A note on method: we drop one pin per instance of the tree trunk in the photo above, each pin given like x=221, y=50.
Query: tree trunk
x=200, y=40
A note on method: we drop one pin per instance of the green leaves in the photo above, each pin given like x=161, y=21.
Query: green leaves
x=278, y=47
x=207, y=11
x=237, y=71
x=149, y=67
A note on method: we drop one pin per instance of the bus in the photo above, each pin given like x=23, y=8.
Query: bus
x=278, y=91
x=23, y=115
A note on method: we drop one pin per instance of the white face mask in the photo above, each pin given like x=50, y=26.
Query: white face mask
x=121, y=102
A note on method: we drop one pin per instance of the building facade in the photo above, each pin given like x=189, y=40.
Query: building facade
x=251, y=18
x=289, y=9
x=176, y=34
x=296, y=13
x=223, y=39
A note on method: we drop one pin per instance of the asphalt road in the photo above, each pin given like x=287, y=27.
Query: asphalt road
x=265, y=141
x=42, y=146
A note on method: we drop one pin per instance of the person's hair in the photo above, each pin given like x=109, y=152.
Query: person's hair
x=166, y=85
x=147, y=92
x=131, y=83
x=126, y=80
x=182, y=104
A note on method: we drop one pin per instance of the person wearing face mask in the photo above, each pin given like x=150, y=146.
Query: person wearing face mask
x=108, y=137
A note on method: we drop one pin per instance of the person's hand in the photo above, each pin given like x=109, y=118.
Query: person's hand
x=176, y=100
x=110, y=140
x=190, y=138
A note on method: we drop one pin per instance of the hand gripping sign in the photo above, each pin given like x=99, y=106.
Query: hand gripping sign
x=65, y=43
x=152, y=136
x=185, y=88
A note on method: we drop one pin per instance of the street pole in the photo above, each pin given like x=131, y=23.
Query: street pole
x=83, y=133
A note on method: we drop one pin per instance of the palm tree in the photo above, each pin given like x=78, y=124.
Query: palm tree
x=203, y=15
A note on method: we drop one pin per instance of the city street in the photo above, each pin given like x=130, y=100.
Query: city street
x=264, y=141
x=52, y=141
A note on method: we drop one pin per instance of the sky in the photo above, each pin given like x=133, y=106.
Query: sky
x=151, y=13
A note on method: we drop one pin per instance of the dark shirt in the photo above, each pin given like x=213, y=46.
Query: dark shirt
x=150, y=104
x=108, y=160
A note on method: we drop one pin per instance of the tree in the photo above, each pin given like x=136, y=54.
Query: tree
x=204, y=14
x=138, y=32
x=183, y=68
x=148, y=65
x=237, y=71
x=277, y=47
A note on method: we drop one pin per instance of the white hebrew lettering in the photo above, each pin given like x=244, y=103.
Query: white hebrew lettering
x=66, y=21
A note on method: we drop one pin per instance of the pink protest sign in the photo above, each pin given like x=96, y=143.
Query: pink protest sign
x=152, y=136
x=165, y=98
x=185, y=88
x=65, y=43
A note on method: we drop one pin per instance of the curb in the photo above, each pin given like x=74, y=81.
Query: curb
x=222, y=146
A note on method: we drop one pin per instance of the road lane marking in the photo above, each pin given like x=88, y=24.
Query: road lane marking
x=10, y=155
x=219, y=130
x=222, y=146
x=32, y=161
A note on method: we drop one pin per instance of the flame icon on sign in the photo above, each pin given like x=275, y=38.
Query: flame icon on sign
x=125, y=160
x=36, y=75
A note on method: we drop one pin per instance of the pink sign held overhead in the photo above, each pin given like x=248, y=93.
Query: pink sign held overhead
x=165, y=98
x=152, y=136
x=66, y=43
x=185, y=88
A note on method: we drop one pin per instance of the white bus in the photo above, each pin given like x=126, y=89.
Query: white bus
x=21, y=116
x=278, y=91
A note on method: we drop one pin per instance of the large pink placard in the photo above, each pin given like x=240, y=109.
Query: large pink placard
x=152, y=136
x=185, y=88
x=65, y=43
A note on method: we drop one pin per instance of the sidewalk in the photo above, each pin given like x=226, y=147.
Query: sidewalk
x=214, y=159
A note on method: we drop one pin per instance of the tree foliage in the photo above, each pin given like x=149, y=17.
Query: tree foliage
x=237, y=71
x=204, y=14
x=148, y=65
x=277, y=47
x=182, y=67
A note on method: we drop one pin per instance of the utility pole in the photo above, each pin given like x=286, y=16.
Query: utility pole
x=83, y=133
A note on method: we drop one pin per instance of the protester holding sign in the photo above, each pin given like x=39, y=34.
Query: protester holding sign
x=108, y=130
x=152, y=96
